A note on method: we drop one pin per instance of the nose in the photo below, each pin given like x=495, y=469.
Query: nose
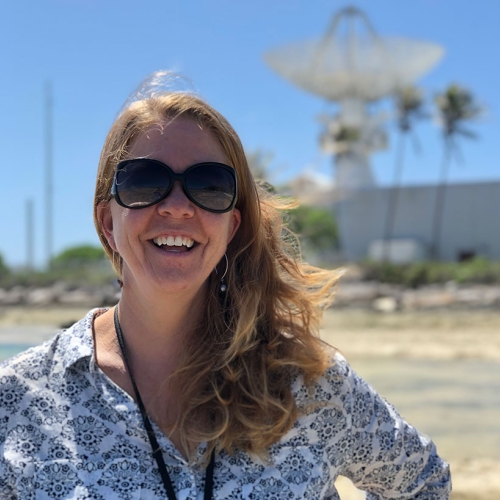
x=176, y=204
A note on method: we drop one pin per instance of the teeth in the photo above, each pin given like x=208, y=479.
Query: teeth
x=174, y=241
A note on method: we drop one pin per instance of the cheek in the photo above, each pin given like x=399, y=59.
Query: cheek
x=126, y=224
x=218, y=228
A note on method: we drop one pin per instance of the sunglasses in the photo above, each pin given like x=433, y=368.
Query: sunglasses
x=142, y=182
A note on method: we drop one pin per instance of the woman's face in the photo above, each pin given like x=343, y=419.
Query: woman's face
x=137, y=235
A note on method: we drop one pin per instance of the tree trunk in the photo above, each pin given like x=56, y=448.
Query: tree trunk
x=393, y=198
x=440, y=203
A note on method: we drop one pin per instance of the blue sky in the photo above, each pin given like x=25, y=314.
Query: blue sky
x=95, y=52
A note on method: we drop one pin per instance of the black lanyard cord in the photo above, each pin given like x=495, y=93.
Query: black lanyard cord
x=157, y=453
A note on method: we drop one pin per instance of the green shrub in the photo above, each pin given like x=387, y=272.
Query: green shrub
x=4, y=270
x=315, y=227
x=83, y=265
x=76, y=256
x=479, y=270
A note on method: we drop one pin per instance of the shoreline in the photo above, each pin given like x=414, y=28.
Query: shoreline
x=433, y=335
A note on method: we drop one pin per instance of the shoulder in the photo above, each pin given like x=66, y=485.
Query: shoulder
x=341, y=392
x=336, y=385
x=370, y=442
x=37, y=368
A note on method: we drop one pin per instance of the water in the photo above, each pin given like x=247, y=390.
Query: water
x=17, y=338
x=9, y=350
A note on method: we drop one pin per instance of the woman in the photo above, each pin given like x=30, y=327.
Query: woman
x=207, y=380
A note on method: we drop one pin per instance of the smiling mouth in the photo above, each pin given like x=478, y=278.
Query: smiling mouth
x=174, y=243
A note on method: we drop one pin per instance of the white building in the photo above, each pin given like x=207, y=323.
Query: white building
x=470, y=224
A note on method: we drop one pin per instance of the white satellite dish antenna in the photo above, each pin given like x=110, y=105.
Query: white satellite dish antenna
x=353, y=66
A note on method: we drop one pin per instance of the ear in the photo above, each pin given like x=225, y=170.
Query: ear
x=105, y=219
x=234, y=224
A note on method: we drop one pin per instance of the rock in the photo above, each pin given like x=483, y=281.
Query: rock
x=351, y=293
x=40, y=296
x=60, y=287
x=14, y=296
x=427, y=298
x=385, y=304
x=82, y=297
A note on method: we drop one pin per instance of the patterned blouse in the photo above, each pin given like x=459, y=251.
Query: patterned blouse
x=67, y=431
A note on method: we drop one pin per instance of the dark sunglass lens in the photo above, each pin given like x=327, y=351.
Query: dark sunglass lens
x=141, y=183
x=211, y=186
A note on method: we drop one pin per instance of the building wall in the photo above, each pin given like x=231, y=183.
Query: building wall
x=471, y=219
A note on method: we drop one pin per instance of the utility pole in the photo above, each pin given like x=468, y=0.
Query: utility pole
x=49, y=194
x=30, y=254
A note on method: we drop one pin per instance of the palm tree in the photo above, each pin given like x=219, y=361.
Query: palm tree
x=409, y=102
x=456, y=106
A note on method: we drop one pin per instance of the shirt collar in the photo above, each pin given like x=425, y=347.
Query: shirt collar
x=77, y=342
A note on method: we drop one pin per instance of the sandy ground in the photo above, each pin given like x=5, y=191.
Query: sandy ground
x=30, y=319
x=440, y=369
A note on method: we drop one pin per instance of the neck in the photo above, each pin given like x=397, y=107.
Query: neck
x=156, y=327
x=155, y=332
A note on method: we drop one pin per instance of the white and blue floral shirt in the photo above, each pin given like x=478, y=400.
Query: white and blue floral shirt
x=68, y=432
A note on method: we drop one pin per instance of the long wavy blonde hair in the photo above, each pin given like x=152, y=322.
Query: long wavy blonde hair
x=236, y=373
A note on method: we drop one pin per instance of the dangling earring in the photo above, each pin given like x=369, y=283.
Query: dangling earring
x=223, y=286
x=119, y=281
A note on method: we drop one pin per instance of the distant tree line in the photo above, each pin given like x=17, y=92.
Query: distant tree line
x=417, y=274
x=80, y=265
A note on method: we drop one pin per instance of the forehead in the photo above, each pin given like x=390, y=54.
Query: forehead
x=179, y=143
